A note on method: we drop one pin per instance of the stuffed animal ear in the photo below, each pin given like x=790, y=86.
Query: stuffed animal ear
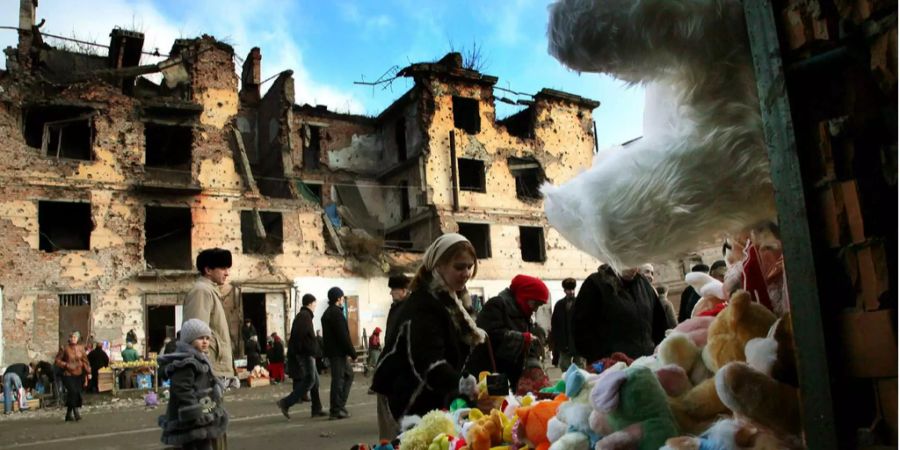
x=574, y=382
x=739, y=304
x=605, y=395
x=698, y=279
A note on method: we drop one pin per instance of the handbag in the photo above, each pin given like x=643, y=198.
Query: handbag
x=497, y=383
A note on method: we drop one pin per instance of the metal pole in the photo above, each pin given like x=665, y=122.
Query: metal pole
x=812, y=365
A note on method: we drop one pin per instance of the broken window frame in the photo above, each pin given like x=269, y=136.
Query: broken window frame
x=185, y=261
x=461, y=105
x=260, y=243
x=312, y=163
x=44, y=233
x=165, y=126
x=60, y=126
x=481, y=243
x=524, y=167
x=481, y=187
x=541, y=244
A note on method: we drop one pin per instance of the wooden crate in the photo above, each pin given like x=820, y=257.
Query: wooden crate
x=257, y=382
x=105, y=381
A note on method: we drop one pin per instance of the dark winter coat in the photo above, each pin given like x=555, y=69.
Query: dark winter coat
x=336, y=334
x=689, y=299
x=253, y=357
x=505, y=324
x=195, y=411
x=424, y=353
x=302, y=343
x=613, y=315
x=276, y=352
x=561, y=326
x=98, y=359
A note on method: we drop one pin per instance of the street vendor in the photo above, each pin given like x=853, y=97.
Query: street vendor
x=507, y=318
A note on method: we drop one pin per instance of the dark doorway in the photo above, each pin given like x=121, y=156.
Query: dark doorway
x=531, y=240
x=74, y=315
x=254, y=307
x=313, y=150
x=404, y=200
x=168, y=146
x=160, y=325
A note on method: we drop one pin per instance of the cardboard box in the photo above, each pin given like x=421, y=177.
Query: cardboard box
x=870, y=343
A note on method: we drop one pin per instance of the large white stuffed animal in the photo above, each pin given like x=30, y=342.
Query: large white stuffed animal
x=701, y=168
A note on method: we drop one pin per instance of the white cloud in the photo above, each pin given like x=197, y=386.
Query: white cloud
x=268, y=27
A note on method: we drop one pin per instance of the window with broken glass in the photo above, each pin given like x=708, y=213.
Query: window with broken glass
x=65, y=132
x=531, y=241
x=261, y=232
x=64, y=225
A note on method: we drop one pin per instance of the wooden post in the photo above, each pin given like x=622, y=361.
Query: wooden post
x=454, y=176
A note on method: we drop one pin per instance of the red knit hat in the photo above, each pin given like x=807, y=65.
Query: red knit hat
x=526, y=288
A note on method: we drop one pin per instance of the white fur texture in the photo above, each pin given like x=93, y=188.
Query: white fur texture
x=701, y=168
x=705, y=285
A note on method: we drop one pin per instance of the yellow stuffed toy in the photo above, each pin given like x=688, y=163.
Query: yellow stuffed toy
x=486, y=431
x=422, y=435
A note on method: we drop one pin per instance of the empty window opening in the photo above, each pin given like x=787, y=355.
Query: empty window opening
x=471, y=174
x=64, y=226
x=404, y=200
x=168, y=146
x=479, y=234
x=465, y=114
x=254, y=308
x=160, y=325
x=400, y=134
x=168, y=238
x=254, y=242
x=399, y=239
x=310, y=191
x=520, y=124
x=531, y=240
x=529, y=176
x=74, y=315
x=312, y=151
x=60, y=131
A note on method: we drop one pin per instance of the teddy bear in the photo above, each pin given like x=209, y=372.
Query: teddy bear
x=533, y=421
x=742, y=320
x=712, y=294
x=729, y=434
x=420, y=436
x=701, y=168
x=764, y=390
x=680, y=349
x=486, y=430
x=636, y=410
x=570, y=429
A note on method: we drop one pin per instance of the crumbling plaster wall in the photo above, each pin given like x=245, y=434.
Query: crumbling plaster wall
x=563, y=145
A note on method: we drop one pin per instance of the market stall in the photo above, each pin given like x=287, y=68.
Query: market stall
x=130, y=376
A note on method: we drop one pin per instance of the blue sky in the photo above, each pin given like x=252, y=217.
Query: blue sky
x=331, y=44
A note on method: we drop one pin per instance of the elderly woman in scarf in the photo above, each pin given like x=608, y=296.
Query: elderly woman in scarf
x=433, y=333
x=76, y=371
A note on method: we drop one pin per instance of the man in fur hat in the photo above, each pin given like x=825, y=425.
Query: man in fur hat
x=204, y=302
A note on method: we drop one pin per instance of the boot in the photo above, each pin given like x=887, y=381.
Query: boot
x=69, y=415
x=77, y=415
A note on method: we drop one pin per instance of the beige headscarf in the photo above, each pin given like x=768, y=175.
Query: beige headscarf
x=439, y=247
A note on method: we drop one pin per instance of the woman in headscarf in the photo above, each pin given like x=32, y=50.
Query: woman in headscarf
x=76, y=371
x=431, y=337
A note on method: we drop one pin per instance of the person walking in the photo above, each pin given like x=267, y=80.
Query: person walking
x=617, y=313
x=303, y=349
x=98, y=359
x=507, y=319
x=432, y=335
x=399, y=291
x=195, y=417
x=561, y=339
x=204, y=302
x=339, y=351
x=374, y=350
x=75, y=374
x=253, y=353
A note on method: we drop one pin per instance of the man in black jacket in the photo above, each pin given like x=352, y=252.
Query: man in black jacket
x=617, y=313
x=340, y=353
x=98, y=360
x=690, y=297
x=561, y=339
x=303, y=348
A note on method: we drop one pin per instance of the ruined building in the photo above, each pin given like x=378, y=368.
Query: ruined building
x=114, y=174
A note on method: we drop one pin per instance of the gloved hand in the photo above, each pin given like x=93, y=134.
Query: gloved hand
x=528, y=338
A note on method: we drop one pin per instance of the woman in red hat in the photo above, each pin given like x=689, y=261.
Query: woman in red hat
x=507, y=319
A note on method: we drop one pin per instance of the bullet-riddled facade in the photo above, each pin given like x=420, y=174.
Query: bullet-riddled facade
x=115, y=174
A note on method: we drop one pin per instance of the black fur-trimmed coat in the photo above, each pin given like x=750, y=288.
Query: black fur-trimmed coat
x=195, y=410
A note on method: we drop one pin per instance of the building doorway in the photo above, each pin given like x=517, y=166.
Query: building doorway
x=74, y=315
x=160, y=325
x=253, y=305
x=352, y=302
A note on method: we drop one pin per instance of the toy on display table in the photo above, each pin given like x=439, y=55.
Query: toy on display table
x=144, y=373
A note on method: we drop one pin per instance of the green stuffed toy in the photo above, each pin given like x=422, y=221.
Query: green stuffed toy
x=636, y=407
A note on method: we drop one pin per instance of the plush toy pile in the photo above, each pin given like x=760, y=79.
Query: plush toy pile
x=723, y=382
